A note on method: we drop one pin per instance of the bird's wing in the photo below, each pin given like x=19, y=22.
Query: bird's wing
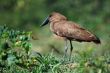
x=72, y=30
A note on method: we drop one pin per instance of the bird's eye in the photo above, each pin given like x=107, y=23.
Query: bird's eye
x=50, y=15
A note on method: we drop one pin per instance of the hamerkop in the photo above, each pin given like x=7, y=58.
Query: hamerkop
x=69, y=30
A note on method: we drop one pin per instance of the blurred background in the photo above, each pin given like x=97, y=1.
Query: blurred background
x=27, y=15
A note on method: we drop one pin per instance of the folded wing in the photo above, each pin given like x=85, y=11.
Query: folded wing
x=73, y=31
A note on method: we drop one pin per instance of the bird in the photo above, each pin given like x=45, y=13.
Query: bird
x=69, y=30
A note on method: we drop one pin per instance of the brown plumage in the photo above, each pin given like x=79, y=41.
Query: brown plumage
x=60, y=26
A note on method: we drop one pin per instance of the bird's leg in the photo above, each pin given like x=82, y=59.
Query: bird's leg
x=66, y=48
x=71, y=48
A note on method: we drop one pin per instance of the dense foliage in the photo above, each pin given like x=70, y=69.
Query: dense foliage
x=14, y=47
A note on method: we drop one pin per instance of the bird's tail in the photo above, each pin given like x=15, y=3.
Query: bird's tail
x=97, y=40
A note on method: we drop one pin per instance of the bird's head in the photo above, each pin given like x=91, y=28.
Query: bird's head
x=53, y=17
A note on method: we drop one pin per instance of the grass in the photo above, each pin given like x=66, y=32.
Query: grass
x=51, y=64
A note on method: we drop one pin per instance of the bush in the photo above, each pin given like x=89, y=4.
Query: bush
x=14, y=47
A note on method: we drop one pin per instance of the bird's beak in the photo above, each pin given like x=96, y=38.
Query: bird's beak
x=46, y=21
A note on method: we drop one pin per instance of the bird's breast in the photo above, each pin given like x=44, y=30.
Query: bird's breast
x=52, y=27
